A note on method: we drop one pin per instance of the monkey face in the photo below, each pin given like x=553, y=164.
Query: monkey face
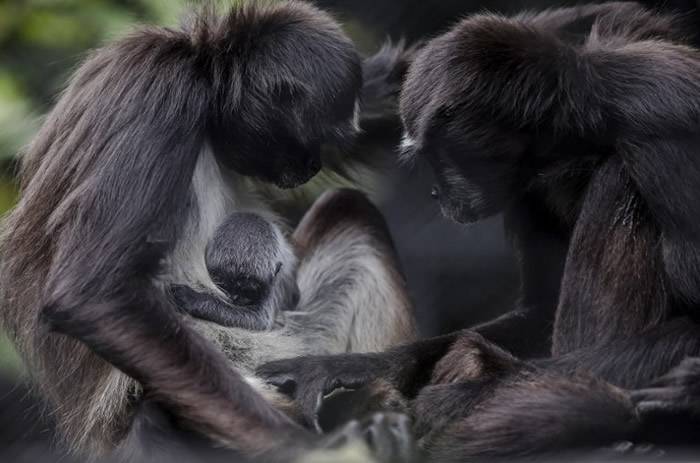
x=471, y=190
x=476, y=158
x=251, y=261
x=295, y=96
x=269, y=293
x=473, y=180
x=288, y=149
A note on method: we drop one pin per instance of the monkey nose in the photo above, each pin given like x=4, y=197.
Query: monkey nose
x=435, y=193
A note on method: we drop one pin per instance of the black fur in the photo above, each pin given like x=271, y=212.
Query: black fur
x=180, y=90
x=581, y=125
x=108, y=182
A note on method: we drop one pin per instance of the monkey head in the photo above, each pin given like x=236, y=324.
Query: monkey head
x=449, y=121
x=289, y=90
x=251, y=261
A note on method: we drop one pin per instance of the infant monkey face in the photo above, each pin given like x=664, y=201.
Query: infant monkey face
x=245, y=289
x=254, y=265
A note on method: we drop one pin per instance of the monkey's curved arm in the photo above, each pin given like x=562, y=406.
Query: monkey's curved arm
x=345, y=243
x=407, y=368
x=631, y=88
x=205, y=306
x=658, y=104
x=118, y=154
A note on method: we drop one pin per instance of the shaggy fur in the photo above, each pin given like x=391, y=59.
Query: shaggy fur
x=581, y=125
x=139, y=162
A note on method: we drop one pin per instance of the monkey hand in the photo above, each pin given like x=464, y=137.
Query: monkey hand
x=381, y=438
x=309, y=379
x=676, y=393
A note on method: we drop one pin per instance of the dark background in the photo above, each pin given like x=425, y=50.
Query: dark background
x=457, y=275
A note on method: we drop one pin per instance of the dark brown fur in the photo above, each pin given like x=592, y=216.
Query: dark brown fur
x=111, y=194
x=581, y=125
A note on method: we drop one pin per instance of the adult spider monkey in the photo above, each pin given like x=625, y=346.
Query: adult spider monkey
x=581, y=124
x=140, y=161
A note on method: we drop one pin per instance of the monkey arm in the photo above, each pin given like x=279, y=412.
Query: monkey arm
x=665, y=171
x=406, y=368
x=542, y=245
x=524, y=414
x=207, y=307
x=155, y=436
x=622, y=296
x=628, y=363
x=525, y=332
x=613, y=285
x=658, y=143
x=353, y=293
x=480, y=398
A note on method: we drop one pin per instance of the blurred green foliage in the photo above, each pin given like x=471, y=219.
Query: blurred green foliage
x=41, y=42
x=9, y=361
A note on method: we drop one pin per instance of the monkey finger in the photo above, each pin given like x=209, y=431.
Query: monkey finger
x=628, y=448
x=352, y=430
x=657, y=407
x=660, y=401
x=389, y=437
x=671, y=379
x=657, y=394
x=402, y=430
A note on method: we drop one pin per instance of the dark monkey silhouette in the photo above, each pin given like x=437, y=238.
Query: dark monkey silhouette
x=581, y=124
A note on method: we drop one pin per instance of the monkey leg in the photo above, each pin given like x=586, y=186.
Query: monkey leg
x=353, y=297
x=522, y=414
x=482, y=402
x=353, y=294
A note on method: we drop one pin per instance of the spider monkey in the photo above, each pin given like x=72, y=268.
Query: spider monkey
x=254, y=265
x=156, y=140
x=351, y=298
x=580, y=124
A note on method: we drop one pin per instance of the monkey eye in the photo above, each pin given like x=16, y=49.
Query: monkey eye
x=246, y=291
x=278, y=267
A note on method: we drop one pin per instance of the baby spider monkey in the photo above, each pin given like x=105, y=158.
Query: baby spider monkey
x=254, y=265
